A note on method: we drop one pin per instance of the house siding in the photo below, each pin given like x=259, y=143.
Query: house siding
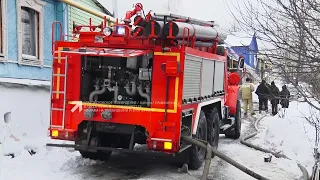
x=53, y=10
x=81, y=17
x=11, y=68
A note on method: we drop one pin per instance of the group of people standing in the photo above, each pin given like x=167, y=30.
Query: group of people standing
x=265, y=93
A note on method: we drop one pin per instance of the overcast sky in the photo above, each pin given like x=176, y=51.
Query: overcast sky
x=211, y=10
x=216, y=10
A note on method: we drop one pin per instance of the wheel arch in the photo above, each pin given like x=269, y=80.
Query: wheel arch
x=216, y=105
x=205, y=107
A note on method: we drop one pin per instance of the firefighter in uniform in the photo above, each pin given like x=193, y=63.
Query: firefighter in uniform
x=247, y=88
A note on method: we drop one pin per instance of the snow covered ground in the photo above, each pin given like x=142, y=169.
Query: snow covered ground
x=281, y=134
x=29, y=107
x=292, y=135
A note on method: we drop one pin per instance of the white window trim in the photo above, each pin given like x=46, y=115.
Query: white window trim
x=3, y=55
x=23, y=59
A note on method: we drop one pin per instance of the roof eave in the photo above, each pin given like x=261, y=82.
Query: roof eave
x=105, y=10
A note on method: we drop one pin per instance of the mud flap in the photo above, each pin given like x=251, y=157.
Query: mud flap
x=228, y=128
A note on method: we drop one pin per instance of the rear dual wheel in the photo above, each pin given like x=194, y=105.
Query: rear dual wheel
x=208, y=129
x=213, y=120
x=197, y=154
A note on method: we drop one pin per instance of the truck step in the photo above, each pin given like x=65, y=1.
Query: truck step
x=59, y=75
x=57, y=109
x=62, y=58
x=56, y=127
x=58, y=92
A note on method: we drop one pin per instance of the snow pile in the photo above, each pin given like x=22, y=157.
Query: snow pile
x=292, y=135
x=29, y=107
x=54, y=162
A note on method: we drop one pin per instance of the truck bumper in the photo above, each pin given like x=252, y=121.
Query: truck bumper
x=62, y=134
x=94, y=148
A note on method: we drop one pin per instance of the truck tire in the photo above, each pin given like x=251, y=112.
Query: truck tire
x=197, y=154
x=99, y=155
x=237, y=129
x=213, y=121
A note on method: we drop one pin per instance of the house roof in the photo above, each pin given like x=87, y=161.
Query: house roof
x=105, y=10
x=253, y=44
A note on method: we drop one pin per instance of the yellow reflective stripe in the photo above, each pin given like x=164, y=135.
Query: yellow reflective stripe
x=122, y=107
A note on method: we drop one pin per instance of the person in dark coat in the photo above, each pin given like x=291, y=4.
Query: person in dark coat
x=274, y=97
x=268, y=86
x=284, y=95
x=263, y=94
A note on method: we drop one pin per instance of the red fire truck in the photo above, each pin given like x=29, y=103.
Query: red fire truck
x=149, y=82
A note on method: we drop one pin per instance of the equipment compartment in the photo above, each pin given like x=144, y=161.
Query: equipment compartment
x=117, y=80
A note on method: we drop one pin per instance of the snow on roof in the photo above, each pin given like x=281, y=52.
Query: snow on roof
x=28, y=82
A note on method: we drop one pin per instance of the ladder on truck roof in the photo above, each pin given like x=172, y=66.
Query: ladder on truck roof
x=55, y=94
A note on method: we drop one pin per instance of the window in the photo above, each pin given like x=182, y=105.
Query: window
x=3, y=30
x=30, y=26
x=30, y=32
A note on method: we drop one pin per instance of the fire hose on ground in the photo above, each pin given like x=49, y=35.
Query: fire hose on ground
x=277, y=155
x=213, y=151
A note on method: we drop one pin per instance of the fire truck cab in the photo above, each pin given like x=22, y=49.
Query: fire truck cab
x=115, y=87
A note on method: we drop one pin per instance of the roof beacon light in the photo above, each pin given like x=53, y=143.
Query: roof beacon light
x=120, y=30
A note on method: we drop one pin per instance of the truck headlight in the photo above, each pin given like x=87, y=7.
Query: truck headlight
x=107, y=31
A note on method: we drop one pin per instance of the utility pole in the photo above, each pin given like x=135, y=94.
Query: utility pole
x=115, y=8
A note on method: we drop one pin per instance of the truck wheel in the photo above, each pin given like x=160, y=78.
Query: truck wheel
x=197, y=154
x=213, y=121
x=237, y=129
x=99, y=155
